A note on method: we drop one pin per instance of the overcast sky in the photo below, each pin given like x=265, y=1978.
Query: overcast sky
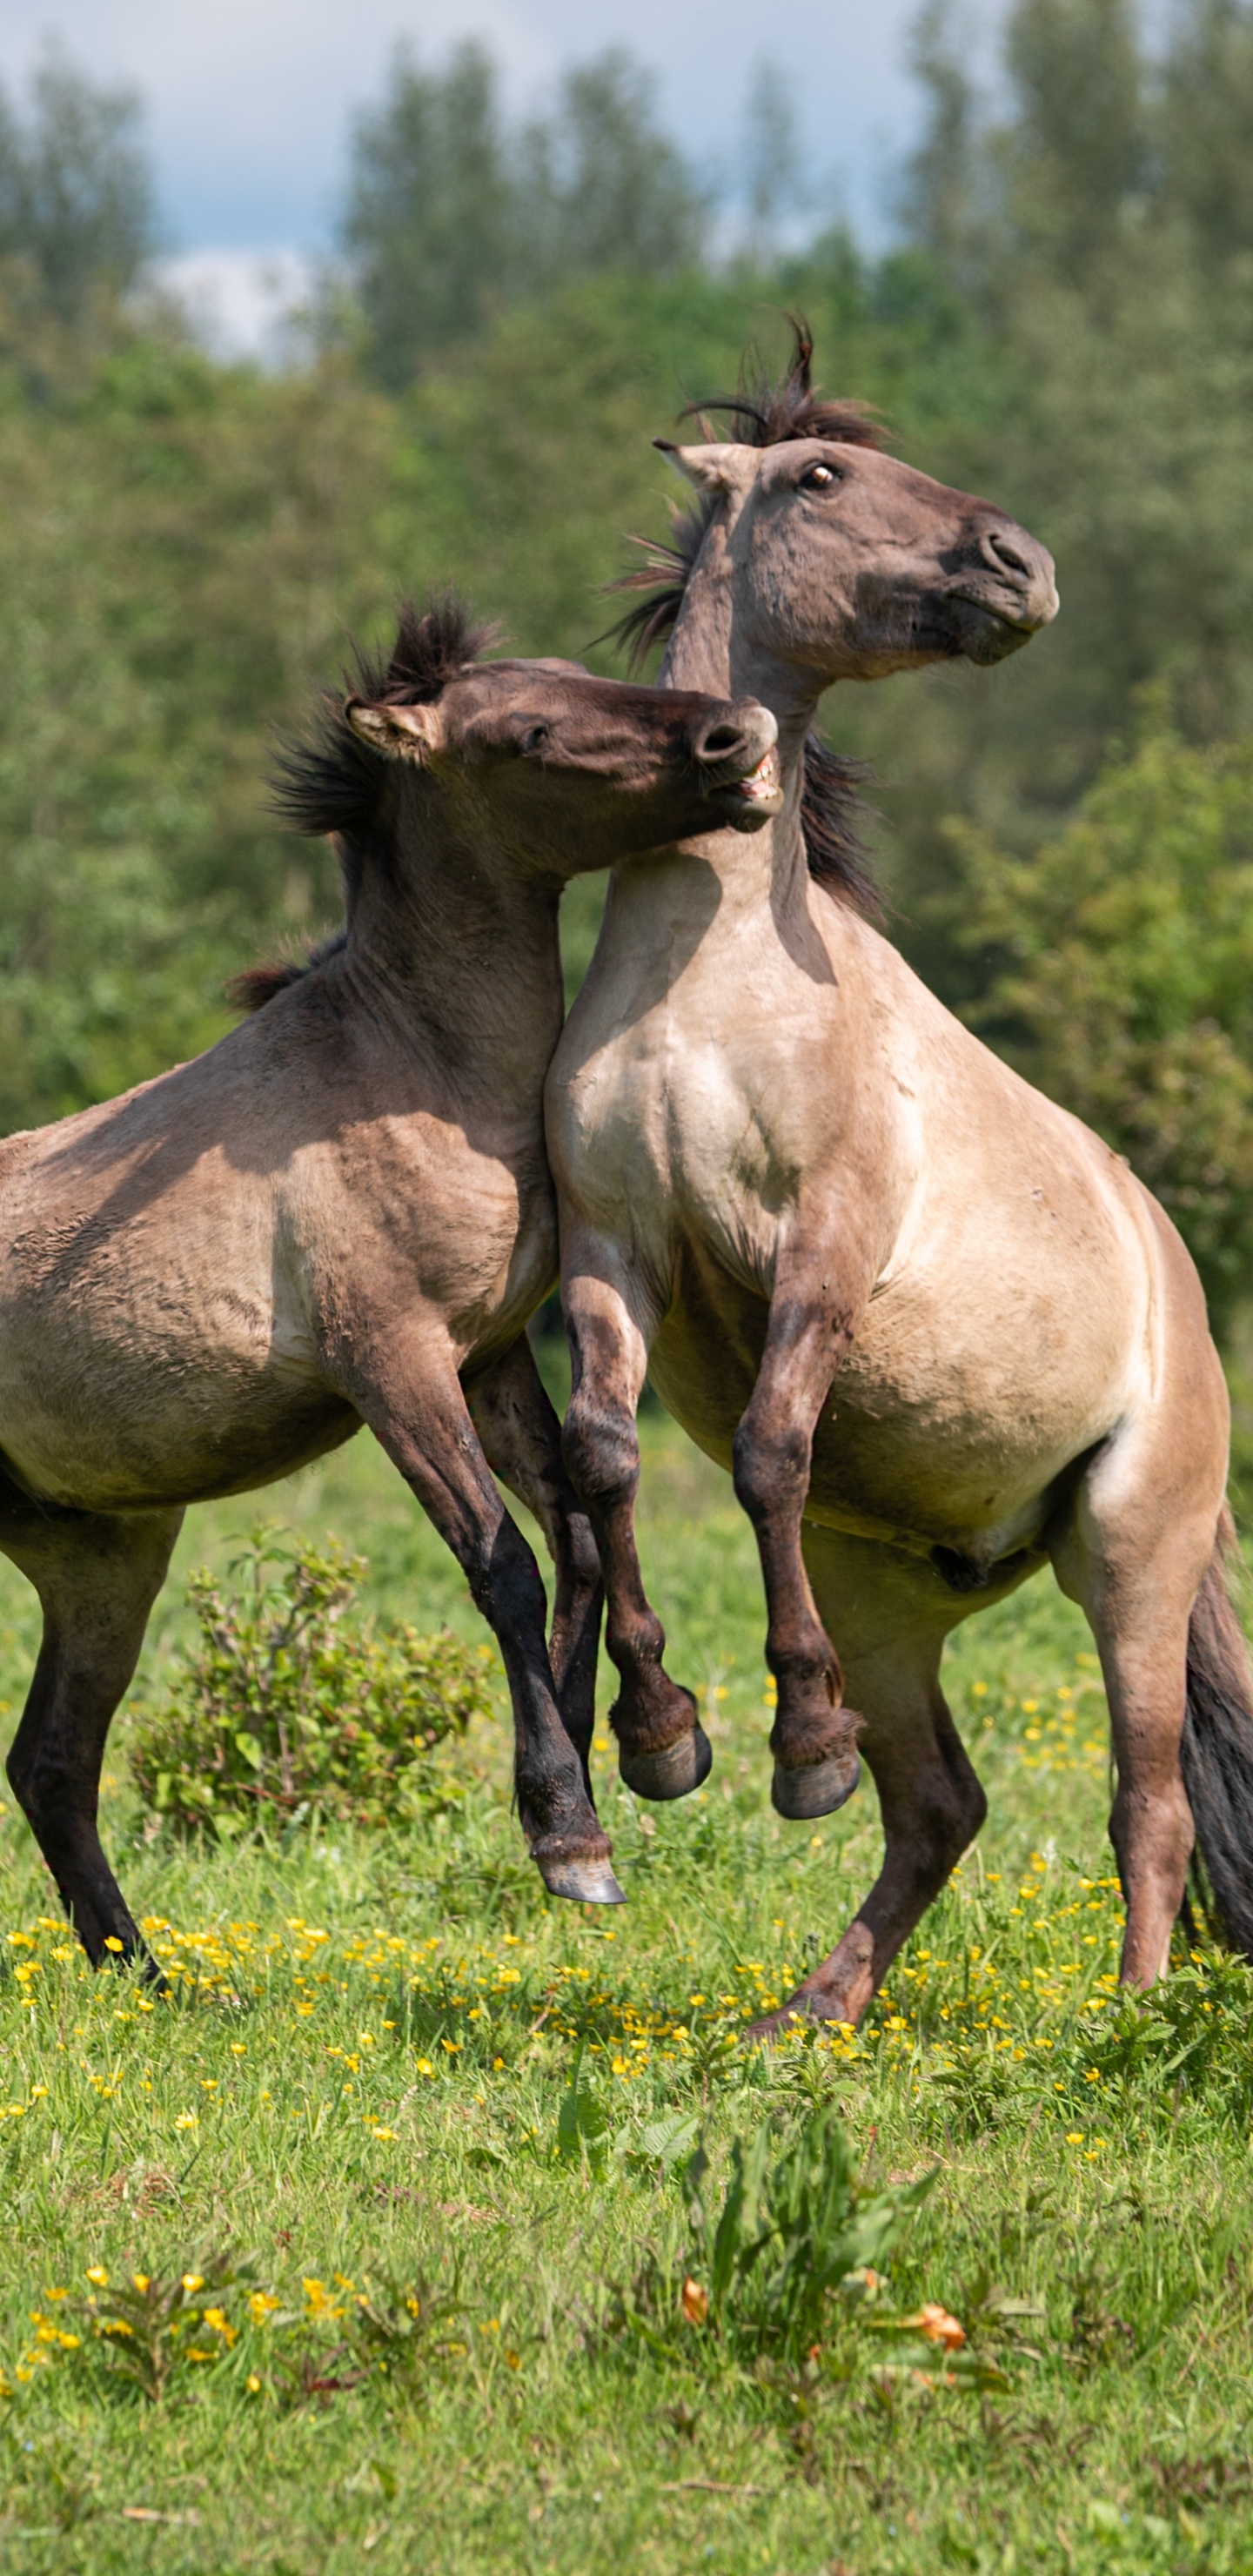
x=249, y=100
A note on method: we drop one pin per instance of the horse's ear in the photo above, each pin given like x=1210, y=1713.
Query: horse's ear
x=400, y=733
x=724, y=466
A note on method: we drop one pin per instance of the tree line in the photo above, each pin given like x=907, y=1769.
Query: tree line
x=1063, y=320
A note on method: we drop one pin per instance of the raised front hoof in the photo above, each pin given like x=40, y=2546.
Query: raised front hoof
x=585, y=1882
x=672, y=1773
x=817, y=1788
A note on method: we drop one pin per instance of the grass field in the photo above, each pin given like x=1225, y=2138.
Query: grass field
x=416, y=2135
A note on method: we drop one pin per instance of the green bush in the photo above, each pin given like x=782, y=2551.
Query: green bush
x=288, y=1705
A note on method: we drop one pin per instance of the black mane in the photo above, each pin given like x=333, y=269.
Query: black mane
x=764, y=415
x=334, y=783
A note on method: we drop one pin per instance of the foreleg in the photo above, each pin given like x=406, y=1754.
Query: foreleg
x=413, y=1401
x=663, y=1750
x=521, y=1438
x=814, y=1738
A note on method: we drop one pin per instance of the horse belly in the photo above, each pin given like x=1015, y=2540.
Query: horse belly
x=952, y=1426
x=947, y=1423
x=125, y=1383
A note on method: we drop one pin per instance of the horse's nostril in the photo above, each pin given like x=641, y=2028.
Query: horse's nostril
x=721, y=742
x=1004, y=553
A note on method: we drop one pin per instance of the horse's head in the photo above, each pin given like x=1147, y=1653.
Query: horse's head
x=815, y=557
x=852, y=565
x=554, y=769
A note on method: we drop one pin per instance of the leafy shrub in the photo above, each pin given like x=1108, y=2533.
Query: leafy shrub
x=287, y=1704
x=1121, y=961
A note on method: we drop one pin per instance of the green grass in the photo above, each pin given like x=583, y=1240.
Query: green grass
x=365, y=2086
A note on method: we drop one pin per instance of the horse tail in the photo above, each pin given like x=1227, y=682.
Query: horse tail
x=1216, y=1754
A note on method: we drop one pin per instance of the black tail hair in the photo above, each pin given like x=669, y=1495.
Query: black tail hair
x=1217, y=1751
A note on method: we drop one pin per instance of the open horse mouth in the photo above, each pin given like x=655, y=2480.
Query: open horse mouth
x=762, y=785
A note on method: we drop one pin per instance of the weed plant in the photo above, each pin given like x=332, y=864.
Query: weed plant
x=425, y=2222
x=288, y=1705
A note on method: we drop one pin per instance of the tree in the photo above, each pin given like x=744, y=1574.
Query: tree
x=76, y=203
x=1119, y=977
x=428, y=225
x=1206, y=126
x=622, y=196
x=771, y=178
x=452, y=215
x=1078, y=146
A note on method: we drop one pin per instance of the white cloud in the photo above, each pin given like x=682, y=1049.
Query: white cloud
x=238, y=301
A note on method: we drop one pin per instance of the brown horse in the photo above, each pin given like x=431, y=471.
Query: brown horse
x=938, y=1330
x=342, y=1214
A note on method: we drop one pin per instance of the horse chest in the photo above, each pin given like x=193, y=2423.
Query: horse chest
x=664, y=1143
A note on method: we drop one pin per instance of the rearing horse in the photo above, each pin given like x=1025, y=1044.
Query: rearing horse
x=938, y=1330
x=342, y=1214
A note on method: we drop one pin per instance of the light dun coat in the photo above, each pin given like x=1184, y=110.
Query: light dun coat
x=936, y=1327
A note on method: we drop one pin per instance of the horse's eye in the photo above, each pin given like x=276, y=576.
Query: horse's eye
x=534, y=738
x=818, y=478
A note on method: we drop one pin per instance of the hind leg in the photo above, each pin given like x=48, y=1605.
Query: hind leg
x=407, y=1388
x=892, y=1615
x=97, y=1577
x=1137, y=1584
x=1132, y=1549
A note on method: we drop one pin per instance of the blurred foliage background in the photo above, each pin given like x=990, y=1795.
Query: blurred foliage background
x=1063, y=319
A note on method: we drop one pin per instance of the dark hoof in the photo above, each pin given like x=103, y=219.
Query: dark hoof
x=818, y=1789
x=586, y=1882
x=673, y=1773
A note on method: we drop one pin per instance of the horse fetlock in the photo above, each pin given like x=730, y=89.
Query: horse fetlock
x=838, y=1991
x=651, y=1712
x=570, y=1849
x=553, y=1802
x=811, y=1725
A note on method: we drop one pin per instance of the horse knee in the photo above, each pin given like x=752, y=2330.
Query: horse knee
x=769, y=1465
x=601, y=1451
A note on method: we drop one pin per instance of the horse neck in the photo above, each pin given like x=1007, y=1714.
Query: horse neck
x=463, y=947
x=711, y=649
x=762, y=873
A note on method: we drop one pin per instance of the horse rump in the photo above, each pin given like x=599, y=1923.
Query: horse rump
x=1216, y=1754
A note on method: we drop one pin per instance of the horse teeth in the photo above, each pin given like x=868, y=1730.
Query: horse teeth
x=764, y=779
